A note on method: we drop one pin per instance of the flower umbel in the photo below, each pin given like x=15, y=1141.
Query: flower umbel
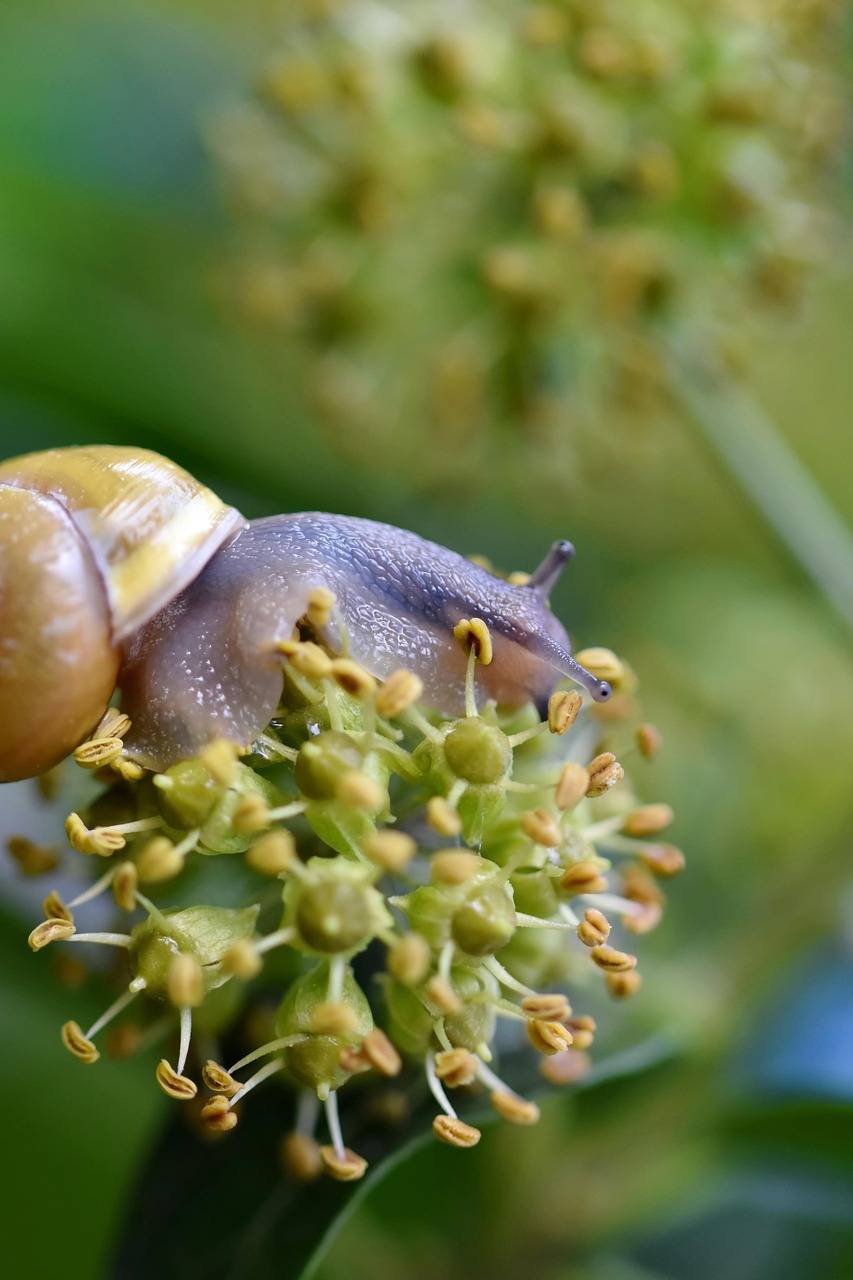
x=494, y=861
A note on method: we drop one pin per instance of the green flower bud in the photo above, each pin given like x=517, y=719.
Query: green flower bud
x=204, y=933
x=334, y=917
x=475, y=1023
x=316, y=1061
x=323, y=761
x=335, y=908
x=534, y=892
x=485, y=921
x=187, y=793
x=478, y=752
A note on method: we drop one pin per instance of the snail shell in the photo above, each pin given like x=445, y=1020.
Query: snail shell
x=93, y=543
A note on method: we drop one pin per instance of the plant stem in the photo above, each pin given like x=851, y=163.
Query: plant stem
x=769, y=473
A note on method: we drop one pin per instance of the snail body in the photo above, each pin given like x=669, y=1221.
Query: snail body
x=118, y=569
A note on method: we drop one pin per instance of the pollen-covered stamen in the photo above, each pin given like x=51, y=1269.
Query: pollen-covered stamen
x=524, y=921
x=104, y=841
x=548, y=1037
x=306, y=658
x=594, y=929
x=505, y=978
x=400, y=692
x=445, y=961
x=286, y=811
x=217, y=1114
x=184, y=982
x=525, y=735
x=124, y=886
x=647, y=820
x=508, y=1104
x=542, y=827
x=596, y=831
x=441, y=816
x=604, y=772
x=173, y=1083
x=51, y=930
x=274, y=854
x=32, y=859
x=186, y=1025
x=280, y=938
x=118, y=1006
x=272, y=1046
x=80, y=1043
x=341, y=1155
x=474, y=636
x=218, y=1080
x=98, y=752
x=263, y=1073
x=436, y=1088
x=456, y=1067
x=105, y=939
x=612, y=902
x=440, y=993
x=300, y=1152
x=243, y=958
x=563, y=709
x=572, y=786
x=55, y=909
x=219, y=758
x=603, y=664
x=419, y=721
x=550, y=1007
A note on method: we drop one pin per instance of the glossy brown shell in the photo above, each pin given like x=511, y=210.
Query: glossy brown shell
x=149, y=525
x=94, y=542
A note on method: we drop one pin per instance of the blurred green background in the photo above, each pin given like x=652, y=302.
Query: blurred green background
x=733, y=1156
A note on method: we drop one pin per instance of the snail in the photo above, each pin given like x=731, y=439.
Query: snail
x=118, y=570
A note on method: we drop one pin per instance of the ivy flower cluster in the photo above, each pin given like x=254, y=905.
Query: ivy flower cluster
x=427, y=879
x=563, y=187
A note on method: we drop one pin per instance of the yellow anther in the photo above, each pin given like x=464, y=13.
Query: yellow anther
x=75, y=1042
x=472, y=633
x=455, y=1132
x=398, y=693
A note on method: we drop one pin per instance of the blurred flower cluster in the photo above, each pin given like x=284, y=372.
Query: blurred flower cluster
x=484, y=222
x=445, y=876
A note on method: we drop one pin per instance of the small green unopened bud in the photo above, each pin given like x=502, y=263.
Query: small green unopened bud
x=322, y=763
x=334, y=917
x=187, y=793
x=316, y=1060
x=485, y=921
x=478, y=752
